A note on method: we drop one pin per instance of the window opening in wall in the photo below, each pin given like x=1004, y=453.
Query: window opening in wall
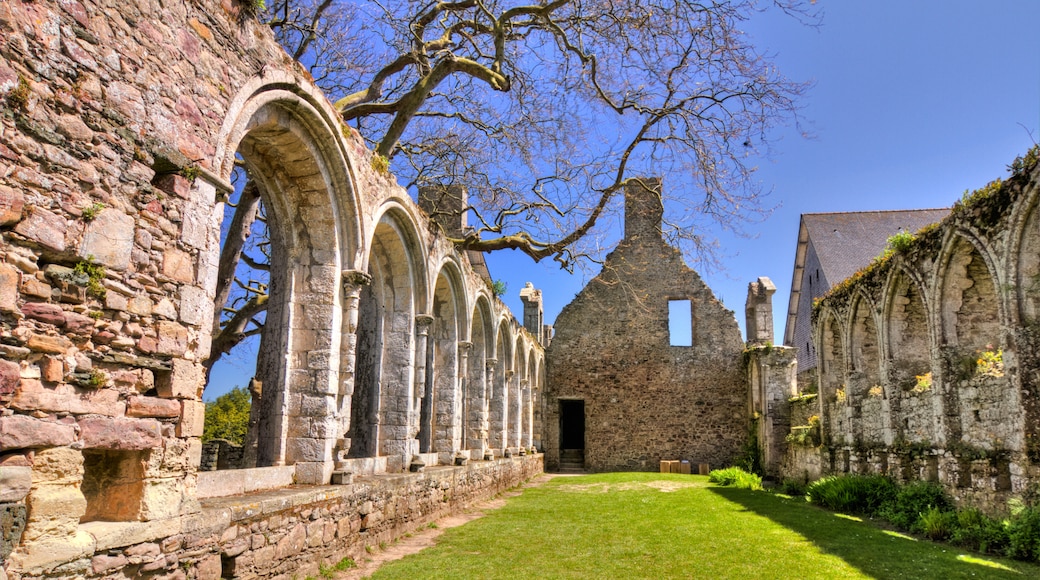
x=680, y=323
x=240, y=312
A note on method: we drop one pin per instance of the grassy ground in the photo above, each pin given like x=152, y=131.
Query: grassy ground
x=648, y=525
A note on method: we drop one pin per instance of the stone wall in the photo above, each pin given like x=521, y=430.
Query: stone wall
x=644, y=400
x=121, y=125
x=927, y=360
x=288, y=532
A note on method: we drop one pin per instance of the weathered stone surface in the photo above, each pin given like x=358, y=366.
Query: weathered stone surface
x=196, y=306
x=152, y=407
x=9, y=280
x=52, y=369
x=49, y=313
x=14, y=483
x=78, y=325
x=12, y=524
x=119, y=434
x=11, y=203
x=10, y=376
x=43, y=227
x=48, y=343
x=185, y=381
x=178, y=265
x=21, y=431
x=193, y=418
x=172, y=338
x=109, y=238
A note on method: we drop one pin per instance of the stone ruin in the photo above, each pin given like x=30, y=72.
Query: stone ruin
x=389, y=366
x=620, y=395
x=927, y=365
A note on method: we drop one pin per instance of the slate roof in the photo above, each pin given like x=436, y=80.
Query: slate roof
x=845, y=242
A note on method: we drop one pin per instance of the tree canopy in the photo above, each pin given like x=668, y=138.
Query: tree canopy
x=227, y=417
x=543, y=111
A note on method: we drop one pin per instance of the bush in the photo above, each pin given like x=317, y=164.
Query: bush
x=1024, y=535
x=977, y=531
x=937, y=524
x=735, y=477
x=905, y=509
x=792, y=486
x=858, y=494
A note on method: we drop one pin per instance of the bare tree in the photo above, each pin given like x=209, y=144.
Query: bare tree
x=545, y=110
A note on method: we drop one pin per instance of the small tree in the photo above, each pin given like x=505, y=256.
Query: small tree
x=227, y=417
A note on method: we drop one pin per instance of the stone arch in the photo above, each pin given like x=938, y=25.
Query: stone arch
x=1025, y=257
x=384, y=416
x=831, y=365
x=288, y=138
x=865, y=396
x=975, y=391
x=498, y=410
x=908, y=380
x=480, y=376
x=441, y=416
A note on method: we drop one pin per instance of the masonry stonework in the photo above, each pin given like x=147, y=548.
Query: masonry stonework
x=121, y=125
x=643, y=400
x=927, y=360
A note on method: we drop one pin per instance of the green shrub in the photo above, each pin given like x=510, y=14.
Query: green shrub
x=977, y=531
x=914, y=499
x=858, y=494
x=735, y=477
x=1024, y=535
x=791, y=486
x=937, y=524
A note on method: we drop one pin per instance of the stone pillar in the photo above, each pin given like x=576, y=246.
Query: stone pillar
x=464, y=393
x=422, y=332
x=528, y=414
x=772, y=373
x=489, y=393
x=532, y=299
x=353, y=282
x=758, y=312
x=506, y=389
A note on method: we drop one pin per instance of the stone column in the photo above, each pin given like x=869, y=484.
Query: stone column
x=523, y=440
x=504, y=436
x=353, y=282
x=528, y=416
x=489, y=393
x=463, y=372
x=422, y=332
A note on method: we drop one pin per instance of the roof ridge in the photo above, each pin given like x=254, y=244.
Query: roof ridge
x=878, y=211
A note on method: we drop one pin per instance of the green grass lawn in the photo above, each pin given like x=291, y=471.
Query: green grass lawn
x=649, y=525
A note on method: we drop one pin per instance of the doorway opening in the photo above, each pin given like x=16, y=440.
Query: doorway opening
x=572, y=435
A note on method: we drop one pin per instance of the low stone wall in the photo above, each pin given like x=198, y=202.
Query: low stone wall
x=286, y=533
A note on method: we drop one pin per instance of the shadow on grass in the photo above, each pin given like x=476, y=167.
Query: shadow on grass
x=874, y=551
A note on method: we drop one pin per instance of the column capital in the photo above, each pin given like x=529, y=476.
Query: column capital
x=423, y=322
x=353, y=279
x=490, y=363
x=464, y=346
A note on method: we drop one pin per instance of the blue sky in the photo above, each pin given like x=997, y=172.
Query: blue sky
x=912, y=103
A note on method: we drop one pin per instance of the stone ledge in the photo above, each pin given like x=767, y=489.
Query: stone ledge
x=242, y=481
x=109, y=535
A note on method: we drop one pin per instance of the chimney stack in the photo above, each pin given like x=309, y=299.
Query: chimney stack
x=643, y=207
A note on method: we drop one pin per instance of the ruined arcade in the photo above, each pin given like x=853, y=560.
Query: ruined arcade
x=389, y=365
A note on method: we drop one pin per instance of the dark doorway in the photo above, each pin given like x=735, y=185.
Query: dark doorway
x=572, y=424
